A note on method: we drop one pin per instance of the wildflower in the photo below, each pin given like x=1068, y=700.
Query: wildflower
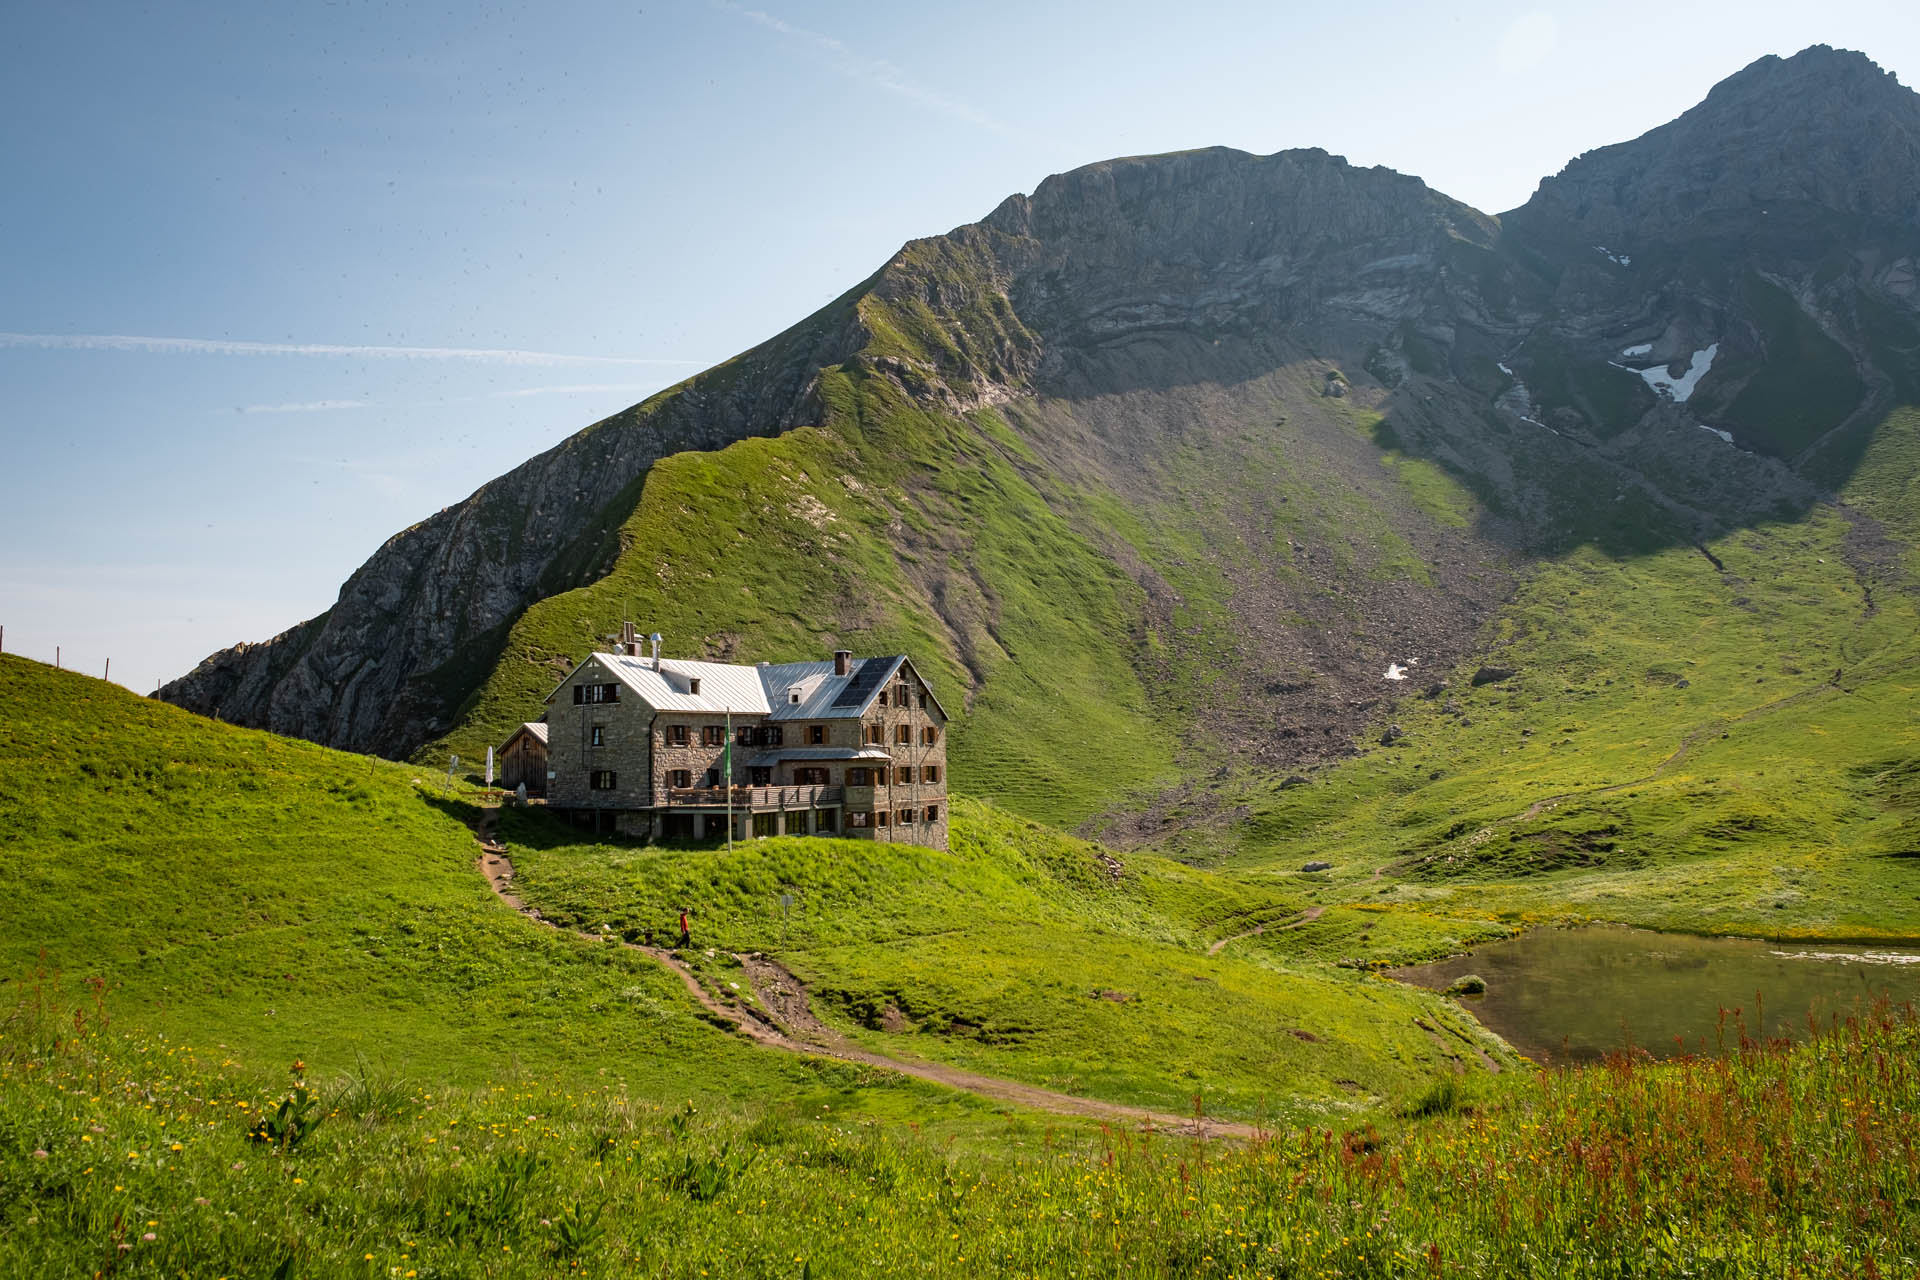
x=149, y=1236
x=39, y=1154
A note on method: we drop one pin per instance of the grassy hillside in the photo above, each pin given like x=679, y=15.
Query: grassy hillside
x=1717, y=740
x=772, y=549
x=1103, y=607
x=278, y=900
x=282, y=900
x=1031, y=955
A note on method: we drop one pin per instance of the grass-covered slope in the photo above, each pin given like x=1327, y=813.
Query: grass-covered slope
x=284, y=901
x=1031, y=955
x=1109, y=615
x=1719, y=739
x=895, y=530
x=128, y=1156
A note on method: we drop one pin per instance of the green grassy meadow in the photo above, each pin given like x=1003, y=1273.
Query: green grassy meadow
x=129, y=1154
x=263, y=899
x=1021, y=954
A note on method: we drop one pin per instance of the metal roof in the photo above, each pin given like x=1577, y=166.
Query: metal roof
x=723, y=687
x=763, y=690
x=534, y=728
x=823, y=695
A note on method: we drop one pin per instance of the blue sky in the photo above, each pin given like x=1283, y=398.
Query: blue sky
x=277, y=281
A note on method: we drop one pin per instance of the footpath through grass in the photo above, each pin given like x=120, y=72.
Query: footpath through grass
x=268, y=899
x=138, y=1156
x=1028, y=954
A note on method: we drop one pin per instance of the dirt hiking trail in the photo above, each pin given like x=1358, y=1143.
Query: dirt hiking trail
x=790, y=1024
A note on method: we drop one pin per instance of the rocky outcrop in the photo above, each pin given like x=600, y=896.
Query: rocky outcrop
x=1801, y=151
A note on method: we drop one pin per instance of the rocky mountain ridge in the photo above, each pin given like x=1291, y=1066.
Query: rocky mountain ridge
x=1299, y=421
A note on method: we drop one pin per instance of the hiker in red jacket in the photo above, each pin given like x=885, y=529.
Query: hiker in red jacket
x=686, y=938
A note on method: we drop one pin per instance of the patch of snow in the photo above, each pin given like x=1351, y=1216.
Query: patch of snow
x=1724, y=435
x=1504, y=369
x=1643, y=349
x=1678, y=389
x=1619, y=259
x=1395, y=671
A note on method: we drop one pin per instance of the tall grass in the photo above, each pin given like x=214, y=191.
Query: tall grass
x=130, y=1155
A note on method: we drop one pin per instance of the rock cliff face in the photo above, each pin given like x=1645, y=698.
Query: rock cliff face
x=382, y=670
x=1202, y=357
x=1811, y=150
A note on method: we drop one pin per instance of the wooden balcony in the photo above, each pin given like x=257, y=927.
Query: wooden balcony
x=755, y=799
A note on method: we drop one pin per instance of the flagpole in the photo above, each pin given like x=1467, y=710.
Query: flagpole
x=726, y=780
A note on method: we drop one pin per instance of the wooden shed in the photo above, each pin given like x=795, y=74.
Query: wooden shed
x=523, y=758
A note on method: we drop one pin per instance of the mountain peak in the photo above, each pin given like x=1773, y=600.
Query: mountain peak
x=1775, y=149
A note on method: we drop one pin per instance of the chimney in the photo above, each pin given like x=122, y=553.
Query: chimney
x=842, y=661
x=629, y=641
x=653, y=640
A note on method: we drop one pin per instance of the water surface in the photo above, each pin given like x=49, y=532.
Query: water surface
x=1573, y=994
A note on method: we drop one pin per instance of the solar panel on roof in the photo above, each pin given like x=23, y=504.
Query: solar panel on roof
x=866, y=677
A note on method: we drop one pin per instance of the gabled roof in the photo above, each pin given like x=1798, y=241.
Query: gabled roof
x=535, y=729
x=765, y=691
x=824, y=695
x=723, y=687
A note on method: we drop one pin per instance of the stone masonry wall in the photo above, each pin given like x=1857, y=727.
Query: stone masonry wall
x=626, y=750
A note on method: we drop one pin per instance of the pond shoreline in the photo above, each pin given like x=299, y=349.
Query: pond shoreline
x=1571, y=992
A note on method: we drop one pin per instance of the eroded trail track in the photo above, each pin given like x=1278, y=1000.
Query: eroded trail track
x=789, y=1024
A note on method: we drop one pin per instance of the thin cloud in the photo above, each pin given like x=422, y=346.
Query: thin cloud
x=304, y=406
x=876, y=72
x=226, y=347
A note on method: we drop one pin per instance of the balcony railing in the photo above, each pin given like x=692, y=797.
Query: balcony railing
x=755, y=798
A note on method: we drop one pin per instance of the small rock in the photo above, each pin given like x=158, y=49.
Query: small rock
x=1293, y=780
x=1684, y=683
x=1392, y=735
x=1491, y=675
x=1318, y=866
